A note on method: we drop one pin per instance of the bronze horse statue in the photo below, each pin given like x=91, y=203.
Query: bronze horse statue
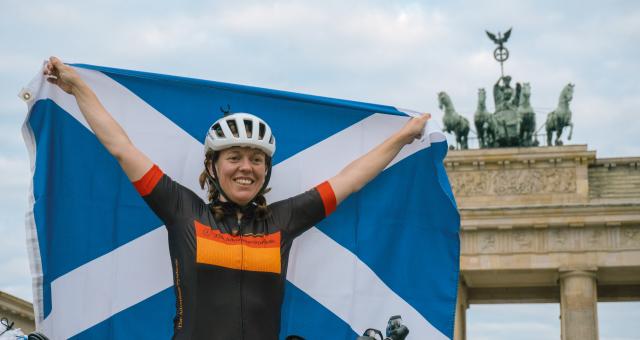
x=453, y=122
x=484, y=122
x=560, y=118
x=527, y=117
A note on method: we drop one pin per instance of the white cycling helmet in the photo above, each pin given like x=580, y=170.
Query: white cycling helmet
x=241, y=129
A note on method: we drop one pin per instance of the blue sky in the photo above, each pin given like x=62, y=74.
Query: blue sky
x=399, y=53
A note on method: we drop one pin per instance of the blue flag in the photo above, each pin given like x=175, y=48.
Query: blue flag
x=99, y=256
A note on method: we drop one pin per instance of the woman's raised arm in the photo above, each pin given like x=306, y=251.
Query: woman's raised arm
x=134, y=163
x=359, y=172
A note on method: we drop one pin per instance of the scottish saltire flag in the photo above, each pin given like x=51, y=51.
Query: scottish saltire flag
x=99, y=256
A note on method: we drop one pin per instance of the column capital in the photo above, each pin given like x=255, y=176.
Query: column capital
x=578, y=271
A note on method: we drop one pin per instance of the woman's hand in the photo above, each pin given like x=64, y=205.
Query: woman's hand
x=414, y=128
x=62, y=75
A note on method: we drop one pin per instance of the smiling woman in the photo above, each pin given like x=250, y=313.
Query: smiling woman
x=238, y=162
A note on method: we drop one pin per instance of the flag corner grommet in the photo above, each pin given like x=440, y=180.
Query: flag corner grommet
x=25, y=95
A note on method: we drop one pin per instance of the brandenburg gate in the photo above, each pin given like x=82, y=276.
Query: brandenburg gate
x=547, y=224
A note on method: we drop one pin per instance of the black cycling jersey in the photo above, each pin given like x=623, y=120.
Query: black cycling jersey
x=229, y=275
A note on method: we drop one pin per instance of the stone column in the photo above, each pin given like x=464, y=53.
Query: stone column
x=460, y=327
x=578, y=305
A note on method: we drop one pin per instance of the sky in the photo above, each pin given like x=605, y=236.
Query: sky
x=399, y=53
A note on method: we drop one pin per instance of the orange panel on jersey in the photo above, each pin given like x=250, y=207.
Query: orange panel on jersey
x=261, y=259
x=218, y=254
x=260, y=241
x=252, y=253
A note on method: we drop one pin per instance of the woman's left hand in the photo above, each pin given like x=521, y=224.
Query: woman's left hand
x=414, y=128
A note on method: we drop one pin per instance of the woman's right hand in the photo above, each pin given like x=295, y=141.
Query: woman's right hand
x=62, y=75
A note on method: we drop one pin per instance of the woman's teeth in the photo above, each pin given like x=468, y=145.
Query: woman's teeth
x=243, y=181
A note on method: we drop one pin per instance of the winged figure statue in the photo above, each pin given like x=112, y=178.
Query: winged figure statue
x=500, y=39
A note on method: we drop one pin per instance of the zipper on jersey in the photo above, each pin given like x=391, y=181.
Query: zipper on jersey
x=240, y=232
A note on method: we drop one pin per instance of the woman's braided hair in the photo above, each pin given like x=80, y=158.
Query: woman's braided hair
x=210, y=158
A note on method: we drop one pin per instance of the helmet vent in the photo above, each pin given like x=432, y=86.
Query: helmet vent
x=248, y=126
x=233, y=127
x=262, y=130
x=218, y=130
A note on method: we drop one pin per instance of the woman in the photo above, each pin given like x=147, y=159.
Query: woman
x=229, y=256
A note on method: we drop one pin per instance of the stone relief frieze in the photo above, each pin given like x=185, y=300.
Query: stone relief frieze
x=630, y=237
x=488, y=242
x=559, y=239
x=595, y=238
x=550, y=240
x=513, y=182
x=523, y=240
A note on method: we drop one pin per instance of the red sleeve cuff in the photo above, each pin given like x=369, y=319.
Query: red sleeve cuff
x=328, y=197
x=146, y=184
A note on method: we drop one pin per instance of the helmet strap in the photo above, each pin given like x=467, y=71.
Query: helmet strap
x=216, y=184
x=267, y=177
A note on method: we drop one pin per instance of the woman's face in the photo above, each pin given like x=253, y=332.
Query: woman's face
x=241, y=172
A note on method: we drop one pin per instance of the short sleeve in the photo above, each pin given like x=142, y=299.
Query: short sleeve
x=168, y=199
x=306, y=210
